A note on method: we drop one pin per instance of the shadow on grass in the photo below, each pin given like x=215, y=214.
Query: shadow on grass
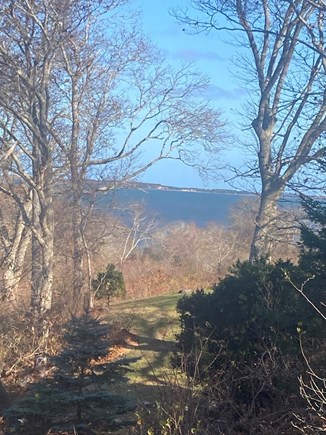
x=144, y=394
x=153, y=317
x=153, y=325
x=154, y=359
x=152, y=345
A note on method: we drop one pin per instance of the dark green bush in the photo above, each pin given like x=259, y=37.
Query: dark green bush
x=313, y=238
x=312, y=262
x=245, y=333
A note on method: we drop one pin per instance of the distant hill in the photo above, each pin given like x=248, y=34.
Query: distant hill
x=154, y=186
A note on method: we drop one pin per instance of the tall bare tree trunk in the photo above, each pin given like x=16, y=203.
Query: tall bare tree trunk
x=13, y=267
x=264, y=234
x=42, y=244
x=78, y=260
x=89, y=296
x=14, y=257
x=42, y=269
x=42, y=277
x=285, y=64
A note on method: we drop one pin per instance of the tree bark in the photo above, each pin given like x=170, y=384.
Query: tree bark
x=42, y=274
x=42, y=249
x=78, y=260
x=13, y=263
x=264, y=235
x=13, y=270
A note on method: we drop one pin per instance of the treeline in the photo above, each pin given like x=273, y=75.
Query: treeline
x=152, y=259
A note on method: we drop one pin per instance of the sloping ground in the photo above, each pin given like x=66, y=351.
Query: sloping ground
x=149, y=327
x=145, y=331
x=154, y=317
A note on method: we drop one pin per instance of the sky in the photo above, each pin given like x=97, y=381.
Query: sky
x=211, y=56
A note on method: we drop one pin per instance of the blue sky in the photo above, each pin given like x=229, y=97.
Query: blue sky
x=210, y=56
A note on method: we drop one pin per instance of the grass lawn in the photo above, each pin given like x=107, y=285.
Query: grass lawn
x=154, y=317
x=154, y=322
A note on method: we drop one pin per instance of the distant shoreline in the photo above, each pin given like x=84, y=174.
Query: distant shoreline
x=161, y=187
x=188, y=205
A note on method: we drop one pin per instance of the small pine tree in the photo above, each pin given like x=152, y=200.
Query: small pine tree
x=77, y=394
x=109, y=283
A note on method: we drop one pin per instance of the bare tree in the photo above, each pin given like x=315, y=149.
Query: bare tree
x=284, y=230
x=137, y=230
x=120, y=100
x=283, y=53
x=26, y=60
x=14, y=242
x=195, y=255
x=86, y=97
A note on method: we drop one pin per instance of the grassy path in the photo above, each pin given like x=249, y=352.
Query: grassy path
x=153, y=323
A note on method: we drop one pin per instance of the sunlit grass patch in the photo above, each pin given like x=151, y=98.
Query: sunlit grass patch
x=154, y=317
x=154, y=323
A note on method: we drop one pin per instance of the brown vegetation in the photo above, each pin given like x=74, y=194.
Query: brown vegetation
x=154, y=260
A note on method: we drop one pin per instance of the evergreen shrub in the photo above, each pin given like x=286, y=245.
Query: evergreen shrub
x=77, y=395
x=245, y=333
x=109, y=284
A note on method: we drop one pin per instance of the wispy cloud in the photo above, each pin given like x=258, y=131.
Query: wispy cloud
x=214, y=92
x=191, y=54
x=171, y=31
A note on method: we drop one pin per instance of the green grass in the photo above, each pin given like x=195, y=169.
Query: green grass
x=155, y=323
x=154, y=317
